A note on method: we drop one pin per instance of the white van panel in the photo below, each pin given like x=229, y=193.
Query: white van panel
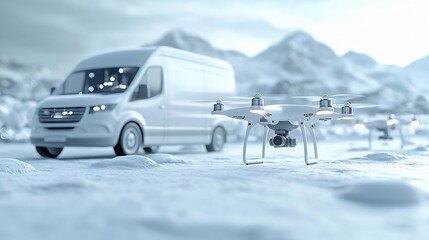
x=153, y=109
x=186, y=117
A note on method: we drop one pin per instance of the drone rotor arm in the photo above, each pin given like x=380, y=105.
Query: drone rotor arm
x=244, y=113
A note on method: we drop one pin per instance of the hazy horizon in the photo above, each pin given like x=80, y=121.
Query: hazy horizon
x=59, y=34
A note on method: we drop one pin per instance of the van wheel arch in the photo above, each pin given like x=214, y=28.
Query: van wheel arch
x=218, y=139
x=132, y=121
x=119, y=148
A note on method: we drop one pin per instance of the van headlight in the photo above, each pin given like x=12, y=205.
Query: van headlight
x=101, y=108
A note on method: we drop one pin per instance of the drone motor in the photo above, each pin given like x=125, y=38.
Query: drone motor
x=346, y=109
x=218, y=106
x=257, y=101
x=325, y=106
x=325, y=102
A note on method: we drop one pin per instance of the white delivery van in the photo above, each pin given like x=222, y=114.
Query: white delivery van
x=142, y=97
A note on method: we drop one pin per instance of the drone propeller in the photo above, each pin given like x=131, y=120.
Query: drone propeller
x=283, y=107
x=270, y=97
x=335, y=96
x=229, y=102
x=356, y=105
x=407, y=120
x=256, y=100
x=235, y=103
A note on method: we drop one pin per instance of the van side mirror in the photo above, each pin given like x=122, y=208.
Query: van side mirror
x=143, y=92
x=52, y=90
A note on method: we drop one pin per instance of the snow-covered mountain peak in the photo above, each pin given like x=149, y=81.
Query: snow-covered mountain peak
x=360, y=59
x=183, y=40
x=419, y=72
x=297, y=37
x=298, y=48
x=186, y=41
x=424, y=62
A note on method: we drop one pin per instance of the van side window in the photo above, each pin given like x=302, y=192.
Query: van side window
x=150, y=85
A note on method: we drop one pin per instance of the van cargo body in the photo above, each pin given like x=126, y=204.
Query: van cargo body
x=142, y=97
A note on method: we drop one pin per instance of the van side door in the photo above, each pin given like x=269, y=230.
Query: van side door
x=186, y=117
x=150, y=103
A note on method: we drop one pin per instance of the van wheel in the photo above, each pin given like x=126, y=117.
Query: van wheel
x=129, y=141
x=218, y=140
x=48, y=152
x=153, y=149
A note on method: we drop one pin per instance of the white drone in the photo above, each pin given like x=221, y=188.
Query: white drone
x=283, y=118
x=386, y=126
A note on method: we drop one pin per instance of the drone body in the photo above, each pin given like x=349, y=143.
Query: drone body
x=386, y=127
x=284, y=118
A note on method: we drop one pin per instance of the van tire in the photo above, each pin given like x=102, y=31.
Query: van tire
x=129, y=141
x=152, y=149
x=218, y=140
x=48, y=152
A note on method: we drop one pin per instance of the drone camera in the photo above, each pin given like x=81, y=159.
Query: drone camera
x=386, y=135
x=282, y=140
x=383, y=137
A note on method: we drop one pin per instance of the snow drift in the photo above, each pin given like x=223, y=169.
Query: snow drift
x=382, y=193
x=126, y=163
x=383, y=157
x=10, y=165
x=162, y=158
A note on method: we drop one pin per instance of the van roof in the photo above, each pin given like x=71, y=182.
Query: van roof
x=125, y=58
x=138, y=56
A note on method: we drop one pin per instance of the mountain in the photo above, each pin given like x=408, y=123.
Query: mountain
x=185, y=41
x=396, y=89
x=25, y=82
x=419, y=71
x=182, y=40
x=360, y=60
x=296, y=65
x=301, y=65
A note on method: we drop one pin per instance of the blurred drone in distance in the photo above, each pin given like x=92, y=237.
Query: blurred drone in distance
x=386, y=126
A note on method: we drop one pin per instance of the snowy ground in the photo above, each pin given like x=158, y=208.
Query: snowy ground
x=186, y=193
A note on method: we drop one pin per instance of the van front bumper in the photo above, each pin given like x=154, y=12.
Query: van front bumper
x=66, y=141
x=98, y=130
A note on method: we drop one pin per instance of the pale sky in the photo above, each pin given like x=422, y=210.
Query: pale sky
x=58, y=34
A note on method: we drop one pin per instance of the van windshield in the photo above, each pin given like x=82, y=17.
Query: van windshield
x=104, y=80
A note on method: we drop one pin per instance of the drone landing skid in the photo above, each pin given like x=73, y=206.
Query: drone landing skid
x=304, y=139
x=254, y=161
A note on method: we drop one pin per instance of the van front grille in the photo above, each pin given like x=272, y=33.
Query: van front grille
x=61, y=115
